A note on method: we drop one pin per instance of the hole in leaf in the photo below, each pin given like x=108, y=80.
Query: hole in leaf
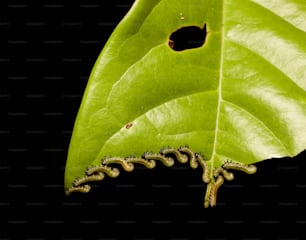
x=187, y=38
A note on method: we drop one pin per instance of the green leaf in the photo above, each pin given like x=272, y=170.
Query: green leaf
x=238, y=99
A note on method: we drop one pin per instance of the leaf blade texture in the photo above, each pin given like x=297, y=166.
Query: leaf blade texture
x=241, y=97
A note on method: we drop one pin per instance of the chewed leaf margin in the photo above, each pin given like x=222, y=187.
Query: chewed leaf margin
x=167, y=156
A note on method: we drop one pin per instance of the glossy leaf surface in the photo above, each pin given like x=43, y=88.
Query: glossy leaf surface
x=240, y=97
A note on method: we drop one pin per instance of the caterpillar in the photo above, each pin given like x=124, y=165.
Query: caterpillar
x=192, y=158
x=249, y=169
x=95, y=177
x=182, y=158
x=227, y=175
x=127, y=166
x=82, y=189
x=148, y=159
x=202, y=162
x=111, y=172
x=214, y=189
x=147, y=163
x=167, y=157
x=169, y=162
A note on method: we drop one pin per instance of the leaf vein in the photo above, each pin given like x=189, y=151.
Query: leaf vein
x=261, y=122
x=219, y=89
x=240, y=44
x=277, y=15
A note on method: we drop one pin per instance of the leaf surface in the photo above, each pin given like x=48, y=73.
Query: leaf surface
x=239, y=98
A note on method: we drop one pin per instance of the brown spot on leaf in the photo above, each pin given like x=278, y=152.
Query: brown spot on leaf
x=129, y=125
x=171, y=43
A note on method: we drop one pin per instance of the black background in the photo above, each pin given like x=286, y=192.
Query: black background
x=47, y=51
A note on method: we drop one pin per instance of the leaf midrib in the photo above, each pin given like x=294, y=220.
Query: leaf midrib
x=214, y=151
